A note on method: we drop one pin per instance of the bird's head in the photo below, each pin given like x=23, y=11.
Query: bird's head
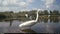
x=38, y=10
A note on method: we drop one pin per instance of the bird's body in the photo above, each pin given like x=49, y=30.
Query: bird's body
x=29, y=23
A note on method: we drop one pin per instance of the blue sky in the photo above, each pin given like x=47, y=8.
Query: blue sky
x=20, y=5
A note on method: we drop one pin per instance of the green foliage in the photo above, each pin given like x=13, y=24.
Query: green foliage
x=2, y=16
x=54, y=12
x=21, y=15
x=45, y=12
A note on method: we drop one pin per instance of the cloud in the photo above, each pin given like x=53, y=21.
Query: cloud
x=16, y=2
x=30, y=0
x=48, y=3
x=19, y=4
x=23, y=4
x=13, y=1
x=15, y=9
x=5, y=2
x=4, y=9
x=0, y=1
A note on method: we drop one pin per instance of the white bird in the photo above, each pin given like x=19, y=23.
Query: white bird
x=29, y=23
x=26, y=15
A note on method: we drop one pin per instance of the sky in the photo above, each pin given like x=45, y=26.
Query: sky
x=20, y=5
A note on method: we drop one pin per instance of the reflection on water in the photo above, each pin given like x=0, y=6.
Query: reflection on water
x=54, y=19
x=28, y=31
x=11, y=22
x=44, y=25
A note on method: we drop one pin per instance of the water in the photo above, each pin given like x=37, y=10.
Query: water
x=42, y=26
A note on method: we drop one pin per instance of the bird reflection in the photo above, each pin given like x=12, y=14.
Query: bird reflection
x=11, y=22
x=28, y=31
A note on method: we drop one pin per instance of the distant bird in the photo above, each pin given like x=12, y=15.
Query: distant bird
x=29, y=23
x=26, y=15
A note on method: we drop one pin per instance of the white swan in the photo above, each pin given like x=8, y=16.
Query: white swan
x=30, y=23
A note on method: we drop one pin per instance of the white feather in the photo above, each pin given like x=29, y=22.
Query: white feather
x=29, y=23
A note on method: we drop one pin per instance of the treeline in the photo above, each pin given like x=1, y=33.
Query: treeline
x=46, y=12
x=21, y=14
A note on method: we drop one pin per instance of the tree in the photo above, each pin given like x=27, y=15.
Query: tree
x=2, y=16
x=45, y=12
x=55, y=12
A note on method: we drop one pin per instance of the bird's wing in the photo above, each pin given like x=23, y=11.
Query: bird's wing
x=27, y=22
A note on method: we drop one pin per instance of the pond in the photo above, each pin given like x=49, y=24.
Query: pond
x=42, y=26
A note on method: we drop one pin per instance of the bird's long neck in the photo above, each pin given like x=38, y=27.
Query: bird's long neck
x=37, y=16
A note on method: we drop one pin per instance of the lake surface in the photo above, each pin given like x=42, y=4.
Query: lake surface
x=49, y=26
